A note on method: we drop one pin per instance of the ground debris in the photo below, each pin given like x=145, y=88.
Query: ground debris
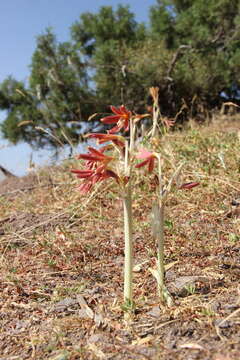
x=61, y=279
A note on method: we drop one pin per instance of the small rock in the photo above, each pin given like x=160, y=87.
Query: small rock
x=154, y=312
x=64, y=304
x=97, y=338
x=222, y=324
x=181, y=284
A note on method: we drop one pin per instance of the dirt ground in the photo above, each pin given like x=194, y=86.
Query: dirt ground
x=62, y=267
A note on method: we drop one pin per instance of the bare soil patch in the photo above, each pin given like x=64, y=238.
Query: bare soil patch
x=16, y=184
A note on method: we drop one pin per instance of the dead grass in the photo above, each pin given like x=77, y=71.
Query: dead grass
x=62, y=262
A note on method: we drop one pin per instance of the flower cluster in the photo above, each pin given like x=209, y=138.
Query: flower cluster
x=98, y=164
x=103, y=138
x=97, y=169
x=121, y=118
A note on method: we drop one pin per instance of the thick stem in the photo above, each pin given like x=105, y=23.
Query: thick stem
x=128, y=266
x=155, y=121
x=160, y=246
x=158, y=231
x=159, y=218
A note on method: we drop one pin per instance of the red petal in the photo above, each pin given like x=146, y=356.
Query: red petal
x=89, y=157
x=82, y=173
x=151, y=165
x=96, y=178
x=118, y=143
x=85, y=187
x=96, y=152
x=100, y=169
x=145, y=162
x=144, y=154
x=115, y=110
x=126, y=124
x=115, y=129
x=90, y=165
x=124, y=110
x=96, y=136
x=102, y=141
x=189, y=185
x=112, y=119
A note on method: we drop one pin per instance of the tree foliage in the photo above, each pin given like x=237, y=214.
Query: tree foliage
x=106, y=39
x=55, y=101
x=190, y=50
x=207, y=37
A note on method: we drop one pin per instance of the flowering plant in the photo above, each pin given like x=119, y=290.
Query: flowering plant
x=101, y=164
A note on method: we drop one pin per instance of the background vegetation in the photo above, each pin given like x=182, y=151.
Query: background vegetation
x=190, y=49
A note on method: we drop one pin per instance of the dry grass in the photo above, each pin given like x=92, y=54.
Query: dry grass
x=62, y=262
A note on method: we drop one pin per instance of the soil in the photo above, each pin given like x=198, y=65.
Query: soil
x=13, y=184
x=61, y=274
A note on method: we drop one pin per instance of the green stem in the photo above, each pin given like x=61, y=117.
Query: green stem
x=128, y=223
x=158, y=219
x=158, y=232
x=128, y=266
x=160, y=246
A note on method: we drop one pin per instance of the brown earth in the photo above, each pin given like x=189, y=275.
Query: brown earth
x=62, y=258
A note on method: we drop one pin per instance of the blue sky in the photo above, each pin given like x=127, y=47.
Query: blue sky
x=21, y=21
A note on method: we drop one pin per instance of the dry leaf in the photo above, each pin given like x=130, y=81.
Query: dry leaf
x=25, y=122
x=97, y=352
x=85, y=309
x=193, y=346
x=138, y=267
x=170, y=265
x=142, y=341
x=92, y=116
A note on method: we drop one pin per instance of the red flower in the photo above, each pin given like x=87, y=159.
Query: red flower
x=189, y=185
x=94, y=178
x=82, y=174
x=149, y=159
x=96, y=170
x=102, y=138
x=121, y=118
x=95, y=156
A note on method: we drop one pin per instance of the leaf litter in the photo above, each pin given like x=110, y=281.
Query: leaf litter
x=62, y=259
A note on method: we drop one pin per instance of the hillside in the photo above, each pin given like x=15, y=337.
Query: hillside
x=62, y=261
